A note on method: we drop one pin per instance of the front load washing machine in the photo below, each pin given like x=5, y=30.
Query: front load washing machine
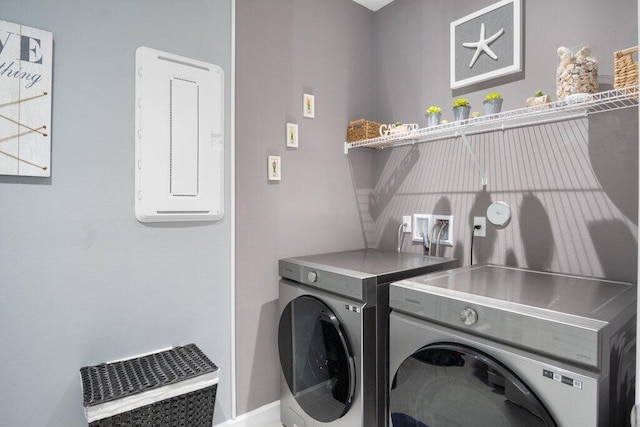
x=497, y=346
x=333, y=334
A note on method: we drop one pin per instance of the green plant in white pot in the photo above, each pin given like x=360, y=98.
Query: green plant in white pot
x=492, y=103
x=461, y=109
x=433, y=115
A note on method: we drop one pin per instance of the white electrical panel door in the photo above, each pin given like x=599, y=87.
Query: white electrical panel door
x=179, y=168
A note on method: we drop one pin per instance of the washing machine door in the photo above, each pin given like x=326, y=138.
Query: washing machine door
x=455, y=385
x=316, y=359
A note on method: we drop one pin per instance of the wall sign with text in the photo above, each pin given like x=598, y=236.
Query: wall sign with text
x=26, y=64
x=486, y=44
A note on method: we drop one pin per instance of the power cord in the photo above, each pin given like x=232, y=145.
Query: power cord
x=442, y=225
x=431, y=240
x=401, y=234
x=473, y=233
x=425, y=242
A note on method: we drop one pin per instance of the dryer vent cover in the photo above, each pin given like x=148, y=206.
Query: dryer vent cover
x=179, y=164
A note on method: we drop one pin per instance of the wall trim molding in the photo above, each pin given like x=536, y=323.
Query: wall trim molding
x=269, y=413
x=232, y=212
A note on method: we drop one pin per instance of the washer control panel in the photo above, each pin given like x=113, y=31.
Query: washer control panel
x=329, y=281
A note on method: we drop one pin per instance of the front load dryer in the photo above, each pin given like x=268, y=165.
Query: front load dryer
x=333, y=334
x=498, y=346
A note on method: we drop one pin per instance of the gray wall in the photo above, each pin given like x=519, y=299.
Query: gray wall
x=412, y=51
x=286, y=48
x=572, y=186
x=81, y=281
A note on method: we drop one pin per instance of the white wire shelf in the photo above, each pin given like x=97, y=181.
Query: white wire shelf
x=582, y=106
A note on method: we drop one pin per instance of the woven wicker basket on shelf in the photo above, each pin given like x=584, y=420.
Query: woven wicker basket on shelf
x=362, y=129
x=625, y=68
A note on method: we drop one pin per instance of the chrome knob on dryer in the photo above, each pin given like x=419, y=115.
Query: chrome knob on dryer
x=469, y=316
x=312, y=277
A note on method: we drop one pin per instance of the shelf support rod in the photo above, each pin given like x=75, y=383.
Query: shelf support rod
x=483, y=175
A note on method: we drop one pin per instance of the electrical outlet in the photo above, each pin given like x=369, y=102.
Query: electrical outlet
x=482, y=222
x=406, y=220
x=446, y=237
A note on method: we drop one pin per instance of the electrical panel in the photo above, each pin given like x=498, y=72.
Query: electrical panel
x=179, y=165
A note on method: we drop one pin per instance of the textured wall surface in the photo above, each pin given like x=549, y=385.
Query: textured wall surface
x=571, y=191
x=572, y=186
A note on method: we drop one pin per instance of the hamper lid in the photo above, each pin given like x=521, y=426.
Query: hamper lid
x=182, y=369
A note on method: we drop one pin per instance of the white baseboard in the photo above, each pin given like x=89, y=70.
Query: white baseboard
x=269, y=413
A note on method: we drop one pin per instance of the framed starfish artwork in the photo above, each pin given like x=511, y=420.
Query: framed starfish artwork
x=486, y=44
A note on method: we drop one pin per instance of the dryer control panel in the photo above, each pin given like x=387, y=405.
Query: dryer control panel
x=555, y=337
x=562, y=316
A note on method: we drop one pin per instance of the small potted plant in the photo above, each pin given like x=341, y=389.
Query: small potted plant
x=492, y=103
x=461, y=109
x=433, y=115
x=538, y=99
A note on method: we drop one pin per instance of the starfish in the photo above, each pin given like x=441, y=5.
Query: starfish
x=483, y=45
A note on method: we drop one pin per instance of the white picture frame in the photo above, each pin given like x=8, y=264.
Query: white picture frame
x=486, y=44
x=291, y=137
x=274, y=168
x=308, y=106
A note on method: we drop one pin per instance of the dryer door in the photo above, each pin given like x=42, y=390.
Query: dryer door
x=316, y=359
x=455, y=385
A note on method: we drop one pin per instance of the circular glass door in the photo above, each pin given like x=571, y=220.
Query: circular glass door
x=454, y=385
x=316, y=359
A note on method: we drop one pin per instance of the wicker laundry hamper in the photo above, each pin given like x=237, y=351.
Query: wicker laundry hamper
x=171, y=388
